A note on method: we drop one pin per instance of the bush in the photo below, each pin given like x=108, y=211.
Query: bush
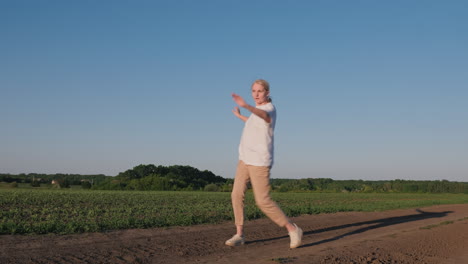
x=211, y=188
x=86, y=185
x=226, y=187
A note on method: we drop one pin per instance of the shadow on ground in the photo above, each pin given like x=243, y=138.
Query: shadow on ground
x=374, y=224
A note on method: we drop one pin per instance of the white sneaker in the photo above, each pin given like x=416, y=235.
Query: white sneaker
x=236, y=240
x=296, y=237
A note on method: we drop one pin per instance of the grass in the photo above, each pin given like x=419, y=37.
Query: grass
x=442, y=223
x=41, y=211
x=437, y=225
x=284, y=260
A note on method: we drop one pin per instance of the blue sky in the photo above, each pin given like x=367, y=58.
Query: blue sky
x=364, y=89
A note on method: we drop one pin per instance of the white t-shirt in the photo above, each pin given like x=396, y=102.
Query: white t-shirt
x=256, y=145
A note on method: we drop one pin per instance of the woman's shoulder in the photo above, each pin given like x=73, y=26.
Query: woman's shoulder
x=267, y=107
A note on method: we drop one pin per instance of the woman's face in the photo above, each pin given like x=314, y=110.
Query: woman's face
x=259, y=94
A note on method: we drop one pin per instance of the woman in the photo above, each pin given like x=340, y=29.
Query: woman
x=255, y=162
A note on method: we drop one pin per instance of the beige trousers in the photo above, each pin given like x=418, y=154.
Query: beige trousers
x=259, y=178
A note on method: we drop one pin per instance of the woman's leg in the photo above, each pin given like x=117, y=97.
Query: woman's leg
x=237, y=196
x=260, y=179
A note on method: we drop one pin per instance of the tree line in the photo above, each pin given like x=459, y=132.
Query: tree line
x=162, y=178
x=60, y=179
x=187, y=178
x=361, y=186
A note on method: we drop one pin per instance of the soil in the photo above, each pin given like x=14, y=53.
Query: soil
x=437, y=234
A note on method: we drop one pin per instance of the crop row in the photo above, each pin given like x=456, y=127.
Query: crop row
x=77, y=211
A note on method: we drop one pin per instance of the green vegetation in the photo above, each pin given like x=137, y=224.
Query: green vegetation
x=66, y=211
x=284, y=260
x=161, y=178
x=140, y=178
x=145, y=197
x=437, y=225
x=403, y=186
x=186, y=178
x=38, y=180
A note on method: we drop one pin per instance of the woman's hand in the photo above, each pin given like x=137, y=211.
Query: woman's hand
x=239, y=100
x=236, y=112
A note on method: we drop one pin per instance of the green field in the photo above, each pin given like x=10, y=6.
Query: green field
x=27, y=211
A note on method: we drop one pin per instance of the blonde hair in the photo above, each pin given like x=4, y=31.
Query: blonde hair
x=265, y=85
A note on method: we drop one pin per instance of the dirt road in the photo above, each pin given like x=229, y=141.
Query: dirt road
x=437, y=234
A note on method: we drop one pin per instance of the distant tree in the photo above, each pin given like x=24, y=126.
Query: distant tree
x=86, y=185
x=62, y=183
x=283, y=188
x=35, y=184
x=161, y=184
